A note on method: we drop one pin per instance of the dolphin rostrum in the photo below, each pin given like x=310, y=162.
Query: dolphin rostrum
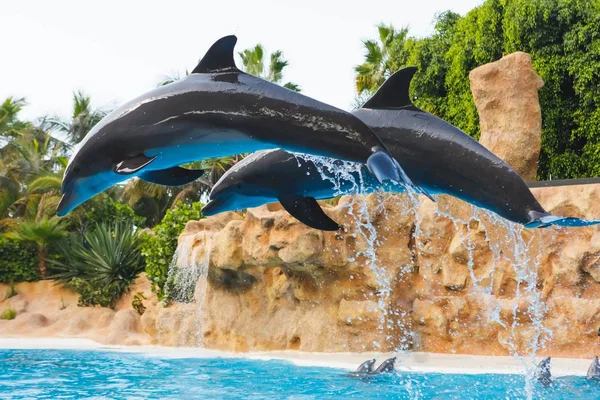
x=593, y=372
x=435, y=154
x=216, y=111
x=542, y=372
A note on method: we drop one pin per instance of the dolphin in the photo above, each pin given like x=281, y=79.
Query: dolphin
x=363, y=369
x=216, y=111
x=438, y=156
x=593, y=372
x=386, y=366
x=542, y=372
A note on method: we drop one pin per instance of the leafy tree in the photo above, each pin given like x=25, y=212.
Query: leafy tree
x=82, y=120
x=42, y=233
x=381, y=58
x=253, y=60
x=562, y=38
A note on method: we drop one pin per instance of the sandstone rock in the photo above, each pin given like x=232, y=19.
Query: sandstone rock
x=124, y=328
x=275, y=284
x=358, y=312
x=506, y=96
x=17, y=303
x=454, y=275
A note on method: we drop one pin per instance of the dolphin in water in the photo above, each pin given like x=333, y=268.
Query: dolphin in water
x=363, y=369
x=216, y=111
x=593, y=372
x=438, y=157
x=542, y=372
x=386, y=366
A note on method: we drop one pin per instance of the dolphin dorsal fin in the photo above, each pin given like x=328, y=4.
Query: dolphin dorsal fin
x=394, y=91
x=219, y=57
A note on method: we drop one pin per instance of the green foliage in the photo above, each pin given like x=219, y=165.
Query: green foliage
x=103, y=209
x=18, y=262
x=8, y=314
x=253, y=60
x=92, y=294
x=159, y=247
x=563, y=39
x=138, y=303
x=102, y=268
x=42, y=234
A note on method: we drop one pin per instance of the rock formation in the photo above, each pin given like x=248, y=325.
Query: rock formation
x=506, y=96
x=471, y=284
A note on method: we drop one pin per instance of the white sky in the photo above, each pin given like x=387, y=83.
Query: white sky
x=115, y=50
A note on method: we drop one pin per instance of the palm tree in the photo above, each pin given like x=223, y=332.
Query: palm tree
x=30, y=177
x=381, y=59
x=42, y=233
x=83, y=119
x=10, y=125
x=254, y=63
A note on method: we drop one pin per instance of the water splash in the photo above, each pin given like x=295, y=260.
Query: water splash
x=188, y=276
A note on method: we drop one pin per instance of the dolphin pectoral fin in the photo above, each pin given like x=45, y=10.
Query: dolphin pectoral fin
x=133, y=164
x=384, y=167
x=219, y=58
x=308, y=211
x=175, y=176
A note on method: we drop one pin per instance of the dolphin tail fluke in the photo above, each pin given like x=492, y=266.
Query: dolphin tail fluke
x=545, y=220
x=384, y=167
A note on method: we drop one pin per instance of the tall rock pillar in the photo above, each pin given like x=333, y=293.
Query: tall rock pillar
x=506, y=97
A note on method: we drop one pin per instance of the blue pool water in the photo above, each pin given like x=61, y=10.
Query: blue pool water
x=68, y=374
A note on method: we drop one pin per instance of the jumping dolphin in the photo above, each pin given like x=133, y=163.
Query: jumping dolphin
x=435, y=154
x=216, y=111
x=593, y=372
x=542, y=372
x=363, y=369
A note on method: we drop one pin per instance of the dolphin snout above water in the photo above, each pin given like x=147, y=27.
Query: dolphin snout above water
x=216, y=111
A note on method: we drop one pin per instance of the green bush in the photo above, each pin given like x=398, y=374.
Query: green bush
x=18, y=262
x=138, y=303
x=101, y=267
x=105, y=209
x=8, y=314
x=93, y=294
x=158, y=248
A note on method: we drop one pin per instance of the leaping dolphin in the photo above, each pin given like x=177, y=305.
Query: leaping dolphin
x=216, y=111
x=438, y=157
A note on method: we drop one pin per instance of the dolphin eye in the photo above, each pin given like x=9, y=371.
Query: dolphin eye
x=76, y=170
x=239, y=185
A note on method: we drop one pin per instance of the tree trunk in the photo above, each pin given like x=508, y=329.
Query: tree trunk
x=42, y=262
